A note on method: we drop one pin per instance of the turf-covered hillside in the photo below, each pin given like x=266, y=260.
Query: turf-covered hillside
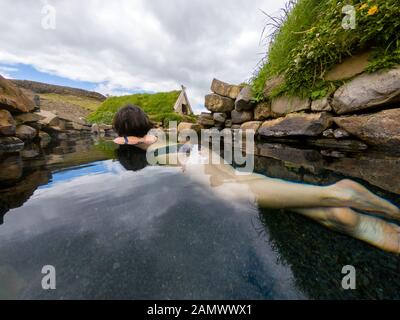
x=309, y=39
x=159, y=107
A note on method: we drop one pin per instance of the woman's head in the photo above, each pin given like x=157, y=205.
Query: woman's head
x=132, y=121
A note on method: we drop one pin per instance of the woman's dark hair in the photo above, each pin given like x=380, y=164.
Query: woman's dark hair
x=132, y=158
x=132, y=121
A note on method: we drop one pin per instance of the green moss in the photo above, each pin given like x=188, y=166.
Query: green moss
x=159, y=107
x=312, y=40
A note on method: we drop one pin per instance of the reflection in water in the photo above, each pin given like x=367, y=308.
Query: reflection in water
x=124, y=230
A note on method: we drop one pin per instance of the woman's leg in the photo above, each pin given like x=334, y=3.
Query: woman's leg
x=376, y=232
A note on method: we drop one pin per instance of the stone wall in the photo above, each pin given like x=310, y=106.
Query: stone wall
x=362, y=113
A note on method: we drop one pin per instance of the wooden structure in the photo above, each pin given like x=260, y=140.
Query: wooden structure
x=182, y=105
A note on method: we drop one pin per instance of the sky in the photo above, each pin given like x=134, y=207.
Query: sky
x=129, y=46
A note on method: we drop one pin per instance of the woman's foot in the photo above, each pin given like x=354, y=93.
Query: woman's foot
x=358, y=197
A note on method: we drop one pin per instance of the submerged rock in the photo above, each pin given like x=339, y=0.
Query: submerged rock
x=380, y=129
x=368, y=91
x=284, y=105
x=7, y=123
x=218, y=103
x=297, y=125
x=225, y=89
x=11, y=144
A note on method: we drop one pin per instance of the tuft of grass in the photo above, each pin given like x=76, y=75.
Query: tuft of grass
x=159, y=107
x=311, y=40
x=83, y=102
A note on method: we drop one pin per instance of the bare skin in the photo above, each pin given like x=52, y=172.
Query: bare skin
x=331, y=206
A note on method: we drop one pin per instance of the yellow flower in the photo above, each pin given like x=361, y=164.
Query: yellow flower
x=373, y=10
x=364, y=6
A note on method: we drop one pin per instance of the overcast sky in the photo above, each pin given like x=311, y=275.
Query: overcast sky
x=125, y=46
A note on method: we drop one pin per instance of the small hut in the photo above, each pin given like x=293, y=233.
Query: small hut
x=182, y=105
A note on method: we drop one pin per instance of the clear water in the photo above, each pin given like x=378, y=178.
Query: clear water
x=151, y=233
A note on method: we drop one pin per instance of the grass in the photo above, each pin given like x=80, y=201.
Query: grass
x=310, y=40
x=159, y=107
x=83, y=102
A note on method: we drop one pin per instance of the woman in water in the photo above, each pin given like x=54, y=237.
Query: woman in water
x=332, y=206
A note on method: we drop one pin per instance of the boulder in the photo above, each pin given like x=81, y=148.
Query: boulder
x=95, y=129
x=244, y=100
x=251, y=125
x=80, y=127
x=206, y=119
x=13, y=99
x=228, y=123
x=284, y=105
x=263, y=111
x=379, y=129
x=225, y=89
x=330, y=133
x=297, y=125
x=7, y=123
x=185, y=126
x=11, y=144
x=321, y=105
x=25, y=118
x=349, y=68
x=48, y=119
x=341, y=134
x=218, y=103
x=271, y=84
x=368, y=91
x=26, y=133
x=220, y=117
x=45, y=139
x=241, y=117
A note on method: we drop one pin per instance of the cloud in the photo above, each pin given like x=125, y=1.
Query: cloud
x=138, y=45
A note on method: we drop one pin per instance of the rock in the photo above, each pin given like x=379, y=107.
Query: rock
x=251, y=125
x=80, y=127
x=330, y=133
x=349, y=68
x=206, y=119
x=11, y=144
x=297, y=125
x=26, y=133
x=220, y=117
x=271, y=84
x=105, y=127
x=45, y=139
x=244, y=100
x=236, y=127
x=263, y=111
x=185, y=126
x=31, y=151
x=321, y=105
x=225, y=89
x=25, y=118
x=345, y=145
x=241, y=117
x=11, y=168
x=95, y=129
x=228, y=123
x=380, y=129
x=217, y=103
x=12, y=98
x=340, y=134
x=36, y=100
x=368, y=91
x=7, y=123
x=48, y=119
x=285, y=105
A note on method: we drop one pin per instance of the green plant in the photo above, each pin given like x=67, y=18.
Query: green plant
x=312, y=40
